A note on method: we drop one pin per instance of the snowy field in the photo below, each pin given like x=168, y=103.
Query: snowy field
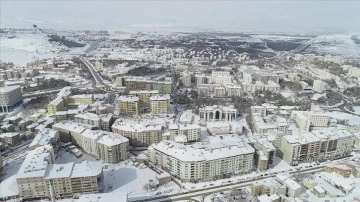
x=8, y=185
x=125, y=176
x=339, y=44
x=353, y=119
x=29, y=46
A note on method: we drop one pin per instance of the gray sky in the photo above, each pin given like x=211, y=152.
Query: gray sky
x=263, y=16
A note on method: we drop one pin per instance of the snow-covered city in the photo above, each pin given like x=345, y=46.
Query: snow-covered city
x=135, y=116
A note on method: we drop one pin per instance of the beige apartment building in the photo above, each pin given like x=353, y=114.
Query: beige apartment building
x=210, y=160
x=160, y=104
x=38, y=176
x=139, y=135
x=129, y=104
x=190, y=132
x=319, y=145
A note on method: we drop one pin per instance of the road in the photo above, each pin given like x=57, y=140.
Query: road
x=210, y=190
x=36, y=93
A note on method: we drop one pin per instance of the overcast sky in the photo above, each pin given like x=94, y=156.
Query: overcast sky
x=263, y=16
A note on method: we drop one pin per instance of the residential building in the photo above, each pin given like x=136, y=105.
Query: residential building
x=318, y=145
x=354, y=72
x=342, y=170
x=160, y=104
x=39, y=177
x=70, y=131
x=89, y=119
x=139, y=135
x=128, y=104
x=106, y=120
x=10, y=139
x=87, y=99
x=293, y=188
x=10, y=98
x=319, y=86
x=44, y=137
x=203, y=161
x=191, y=132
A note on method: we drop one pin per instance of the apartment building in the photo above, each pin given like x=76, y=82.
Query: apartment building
x=89, y=119
x=70, y=131
x=10, y=98
x=186, y=79
x=107, y=146
x=140, y=135
x=260, y=86
x=60, y=102
x=258, y=110
x=319, y=145
x=217, y=113
x=144, y=96
x=319, y=86
x=354, y=72
x=191, y=132
x=342, y=170
x=132, y=83
x=106, y=120
x=44, y=137
x=213, y=159
x=220, y=77
x=87, y=99
x=233, y=90
x=113, y=148
x=38, y=176
x=265, y=154
x=129, y=104
x=305, y=119
x=160, y=104
x=10, y=139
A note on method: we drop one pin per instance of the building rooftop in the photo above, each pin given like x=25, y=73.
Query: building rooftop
x=205, y=151
x=128, y=98
x=87, y=169
x=71, y=126
x=7, y=89
x=163, y=97
x=59, y=171
x=36, y=162
x=43, y=137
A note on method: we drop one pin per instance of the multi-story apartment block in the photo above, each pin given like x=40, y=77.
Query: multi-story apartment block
x=81, y=99
x=113, y=148
x=160, y=104
x=106, y=120
x=186, y=79
x=60, y=102
x=10, y=98
x=217, y=113
x=260, y=110
x=10, y=139
x=89, y=119
x=265, y=154
x=305, y=119
x=220, y=77
x=138, y=134
x=354, y=72
x=317, y=145
x=144, y=83
x=39, y=177
x=191, y=132
x=44, y=137
x=144, y=96
x=233, y=90
x=319, y=86
x=260, y=86
x=70, y=131
x=209, y=160
x=129, y=104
